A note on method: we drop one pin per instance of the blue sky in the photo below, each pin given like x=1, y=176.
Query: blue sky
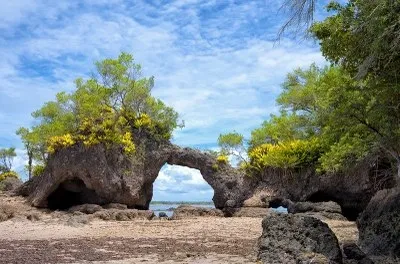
x=215, y=62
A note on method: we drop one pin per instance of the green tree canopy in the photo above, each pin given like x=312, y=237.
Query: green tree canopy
x=115, y=106
x=7, y=156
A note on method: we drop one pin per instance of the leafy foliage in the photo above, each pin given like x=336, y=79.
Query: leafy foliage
x=115, y=106
x=7, y=156
x=8, y=174
x=38, y=170
x=232, y=144
x=288, y=155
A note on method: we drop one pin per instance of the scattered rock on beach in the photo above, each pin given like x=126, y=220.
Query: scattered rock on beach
x=86, y=208
x=10, y=184
x=293, y=239
x=185, y=211
x=123, y=215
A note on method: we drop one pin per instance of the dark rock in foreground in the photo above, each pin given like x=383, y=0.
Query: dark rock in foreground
x=379, y=224
x=352, y=254
x=186, y=211
x=292, y=239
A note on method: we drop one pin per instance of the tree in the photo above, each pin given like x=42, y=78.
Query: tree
x=28, y=141
x=363, y=37
x=7, y=156
x=233, y=144
x=114, y=107
x=301, y=15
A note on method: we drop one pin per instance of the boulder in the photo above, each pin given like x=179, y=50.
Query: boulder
x=85, y=208
x=102, y=175
x=293, y=239
x=123, y=215
x=352, y=254
x=162, y=215
x=187, y=211
x=379, y=224
x=10, y=184
x=321, y=210
x=303, y=207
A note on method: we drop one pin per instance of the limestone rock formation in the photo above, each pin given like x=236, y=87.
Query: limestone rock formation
x=185, y=211
x=10, y=184
x=379, y=224
x=351, y=190
x=102, y=175
x=293, y=239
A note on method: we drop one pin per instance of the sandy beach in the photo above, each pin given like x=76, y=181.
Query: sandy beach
x=194, y=240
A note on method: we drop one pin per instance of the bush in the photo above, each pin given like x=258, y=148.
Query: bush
x=11, y=174
x=59, y=142
x=287, y=155
x=38, y=170
x=223, y=159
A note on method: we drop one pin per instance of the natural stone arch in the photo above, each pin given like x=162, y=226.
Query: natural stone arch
x=105, y=175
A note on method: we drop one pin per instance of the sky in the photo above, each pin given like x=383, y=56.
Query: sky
x=216, y=62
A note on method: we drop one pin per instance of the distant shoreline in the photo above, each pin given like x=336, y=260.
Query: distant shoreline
x=183, y=202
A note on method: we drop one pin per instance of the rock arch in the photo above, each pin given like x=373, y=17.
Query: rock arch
x=105, y=175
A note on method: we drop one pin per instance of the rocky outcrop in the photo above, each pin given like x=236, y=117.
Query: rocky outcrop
x=186, y=211
x=352, y=189
x=293, y=239
x=378, y=225
x=10, y=184
x=102, y=175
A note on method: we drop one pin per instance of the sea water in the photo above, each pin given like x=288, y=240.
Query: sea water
x=168, y=207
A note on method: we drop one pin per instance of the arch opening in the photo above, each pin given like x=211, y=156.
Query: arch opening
x=176, y=185
x=70, y=193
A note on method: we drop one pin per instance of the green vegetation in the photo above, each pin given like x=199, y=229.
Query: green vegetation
x=7, y=156
x=333, y=117
x=114, y=107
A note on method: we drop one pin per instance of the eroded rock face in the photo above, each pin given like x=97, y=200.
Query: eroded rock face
x=379, y=224
x=293, y=239
x=351, y=190
x=100, y=175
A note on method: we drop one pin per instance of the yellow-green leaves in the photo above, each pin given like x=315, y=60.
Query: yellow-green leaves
x=287, y=155
x=9, y=174
x=59, y=142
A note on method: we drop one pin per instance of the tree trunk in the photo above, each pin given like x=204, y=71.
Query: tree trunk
x=30, y=165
